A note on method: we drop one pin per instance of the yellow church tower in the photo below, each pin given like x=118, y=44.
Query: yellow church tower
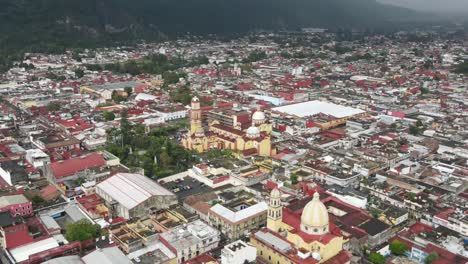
x=195, y=116
x=275, y=211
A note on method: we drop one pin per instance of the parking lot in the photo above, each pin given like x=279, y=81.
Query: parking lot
x=186, y=187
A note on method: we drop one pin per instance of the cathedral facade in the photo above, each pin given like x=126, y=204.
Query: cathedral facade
x=255, y=140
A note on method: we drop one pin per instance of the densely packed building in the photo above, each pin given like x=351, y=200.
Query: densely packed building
x=300, y=147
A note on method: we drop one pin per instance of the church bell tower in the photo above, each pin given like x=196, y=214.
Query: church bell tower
x=195, y=116
x=275, y=211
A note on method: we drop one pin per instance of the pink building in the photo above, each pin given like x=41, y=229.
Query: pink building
x=17, y=205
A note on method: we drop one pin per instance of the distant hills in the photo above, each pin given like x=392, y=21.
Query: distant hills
x=51, y=24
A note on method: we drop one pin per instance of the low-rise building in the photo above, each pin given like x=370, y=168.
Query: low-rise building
x=238, y=219
x=37, y=158
x=16, y=204
x=191, y=240
x=131, y=195
x=238, y=252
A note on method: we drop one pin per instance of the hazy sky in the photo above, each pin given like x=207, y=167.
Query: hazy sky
x=442, y=6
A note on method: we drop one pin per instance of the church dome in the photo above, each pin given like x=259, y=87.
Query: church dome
x=258, y=116
x=253, y=132
x=314, y=219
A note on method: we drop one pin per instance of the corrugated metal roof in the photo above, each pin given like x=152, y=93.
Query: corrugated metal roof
x=273, y=241
x=132, y=189
x=106, y=256
x=315, y=107
x=22, y=253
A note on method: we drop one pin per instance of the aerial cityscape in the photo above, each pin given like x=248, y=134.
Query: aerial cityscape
x=300, y=146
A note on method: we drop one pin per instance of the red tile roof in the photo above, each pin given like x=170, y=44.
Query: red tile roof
x=17, y=235
x=204, y=258
x=444, y=215
x=70, y=167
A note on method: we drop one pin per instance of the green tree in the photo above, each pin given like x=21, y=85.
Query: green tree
x=125, y=127
x=293, y=178
x=398, y=248
x=128, y=90
x=79, y=73
x=181, y=95
x=116, y=97
x=254, y=56
x=431, y=257
x=76, y=56
x=374, y=212
x=80, y=180
x=94, y=67
x=82, y=230
x=164, y=159
x=37, y=200
x=171, y=77
x=53, y=106
x=376, y=258
x=414, y=130
x=108, y=116
x=462, y=68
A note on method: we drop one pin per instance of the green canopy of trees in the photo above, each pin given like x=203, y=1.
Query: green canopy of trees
x=82, y=230
x=219, y=153
x=37, y=200
x=128, y=90
x=376, y=258
x=116, y=97
x=398, y=247
x=462, y=68
x=254, y=56
x=431, y=257
x=151, y=64
x=293, y=178
x=155, y=152
x=79, y=73
x=181, y=95
x=108, y=116
x=53, y=106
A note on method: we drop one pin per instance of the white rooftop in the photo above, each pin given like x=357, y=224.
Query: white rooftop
x=185, y=236
x=12, y=199
x=111, y=255
x=145, y=97
x=22, y=253
x=241, y=214
x=37, y=153
x=131, y=189
x=315, y=107
x=273, y=241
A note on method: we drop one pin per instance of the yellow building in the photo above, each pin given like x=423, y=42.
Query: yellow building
x=254, y=140
x=299, y=234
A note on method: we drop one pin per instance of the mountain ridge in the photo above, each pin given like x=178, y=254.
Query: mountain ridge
x=47, y=24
